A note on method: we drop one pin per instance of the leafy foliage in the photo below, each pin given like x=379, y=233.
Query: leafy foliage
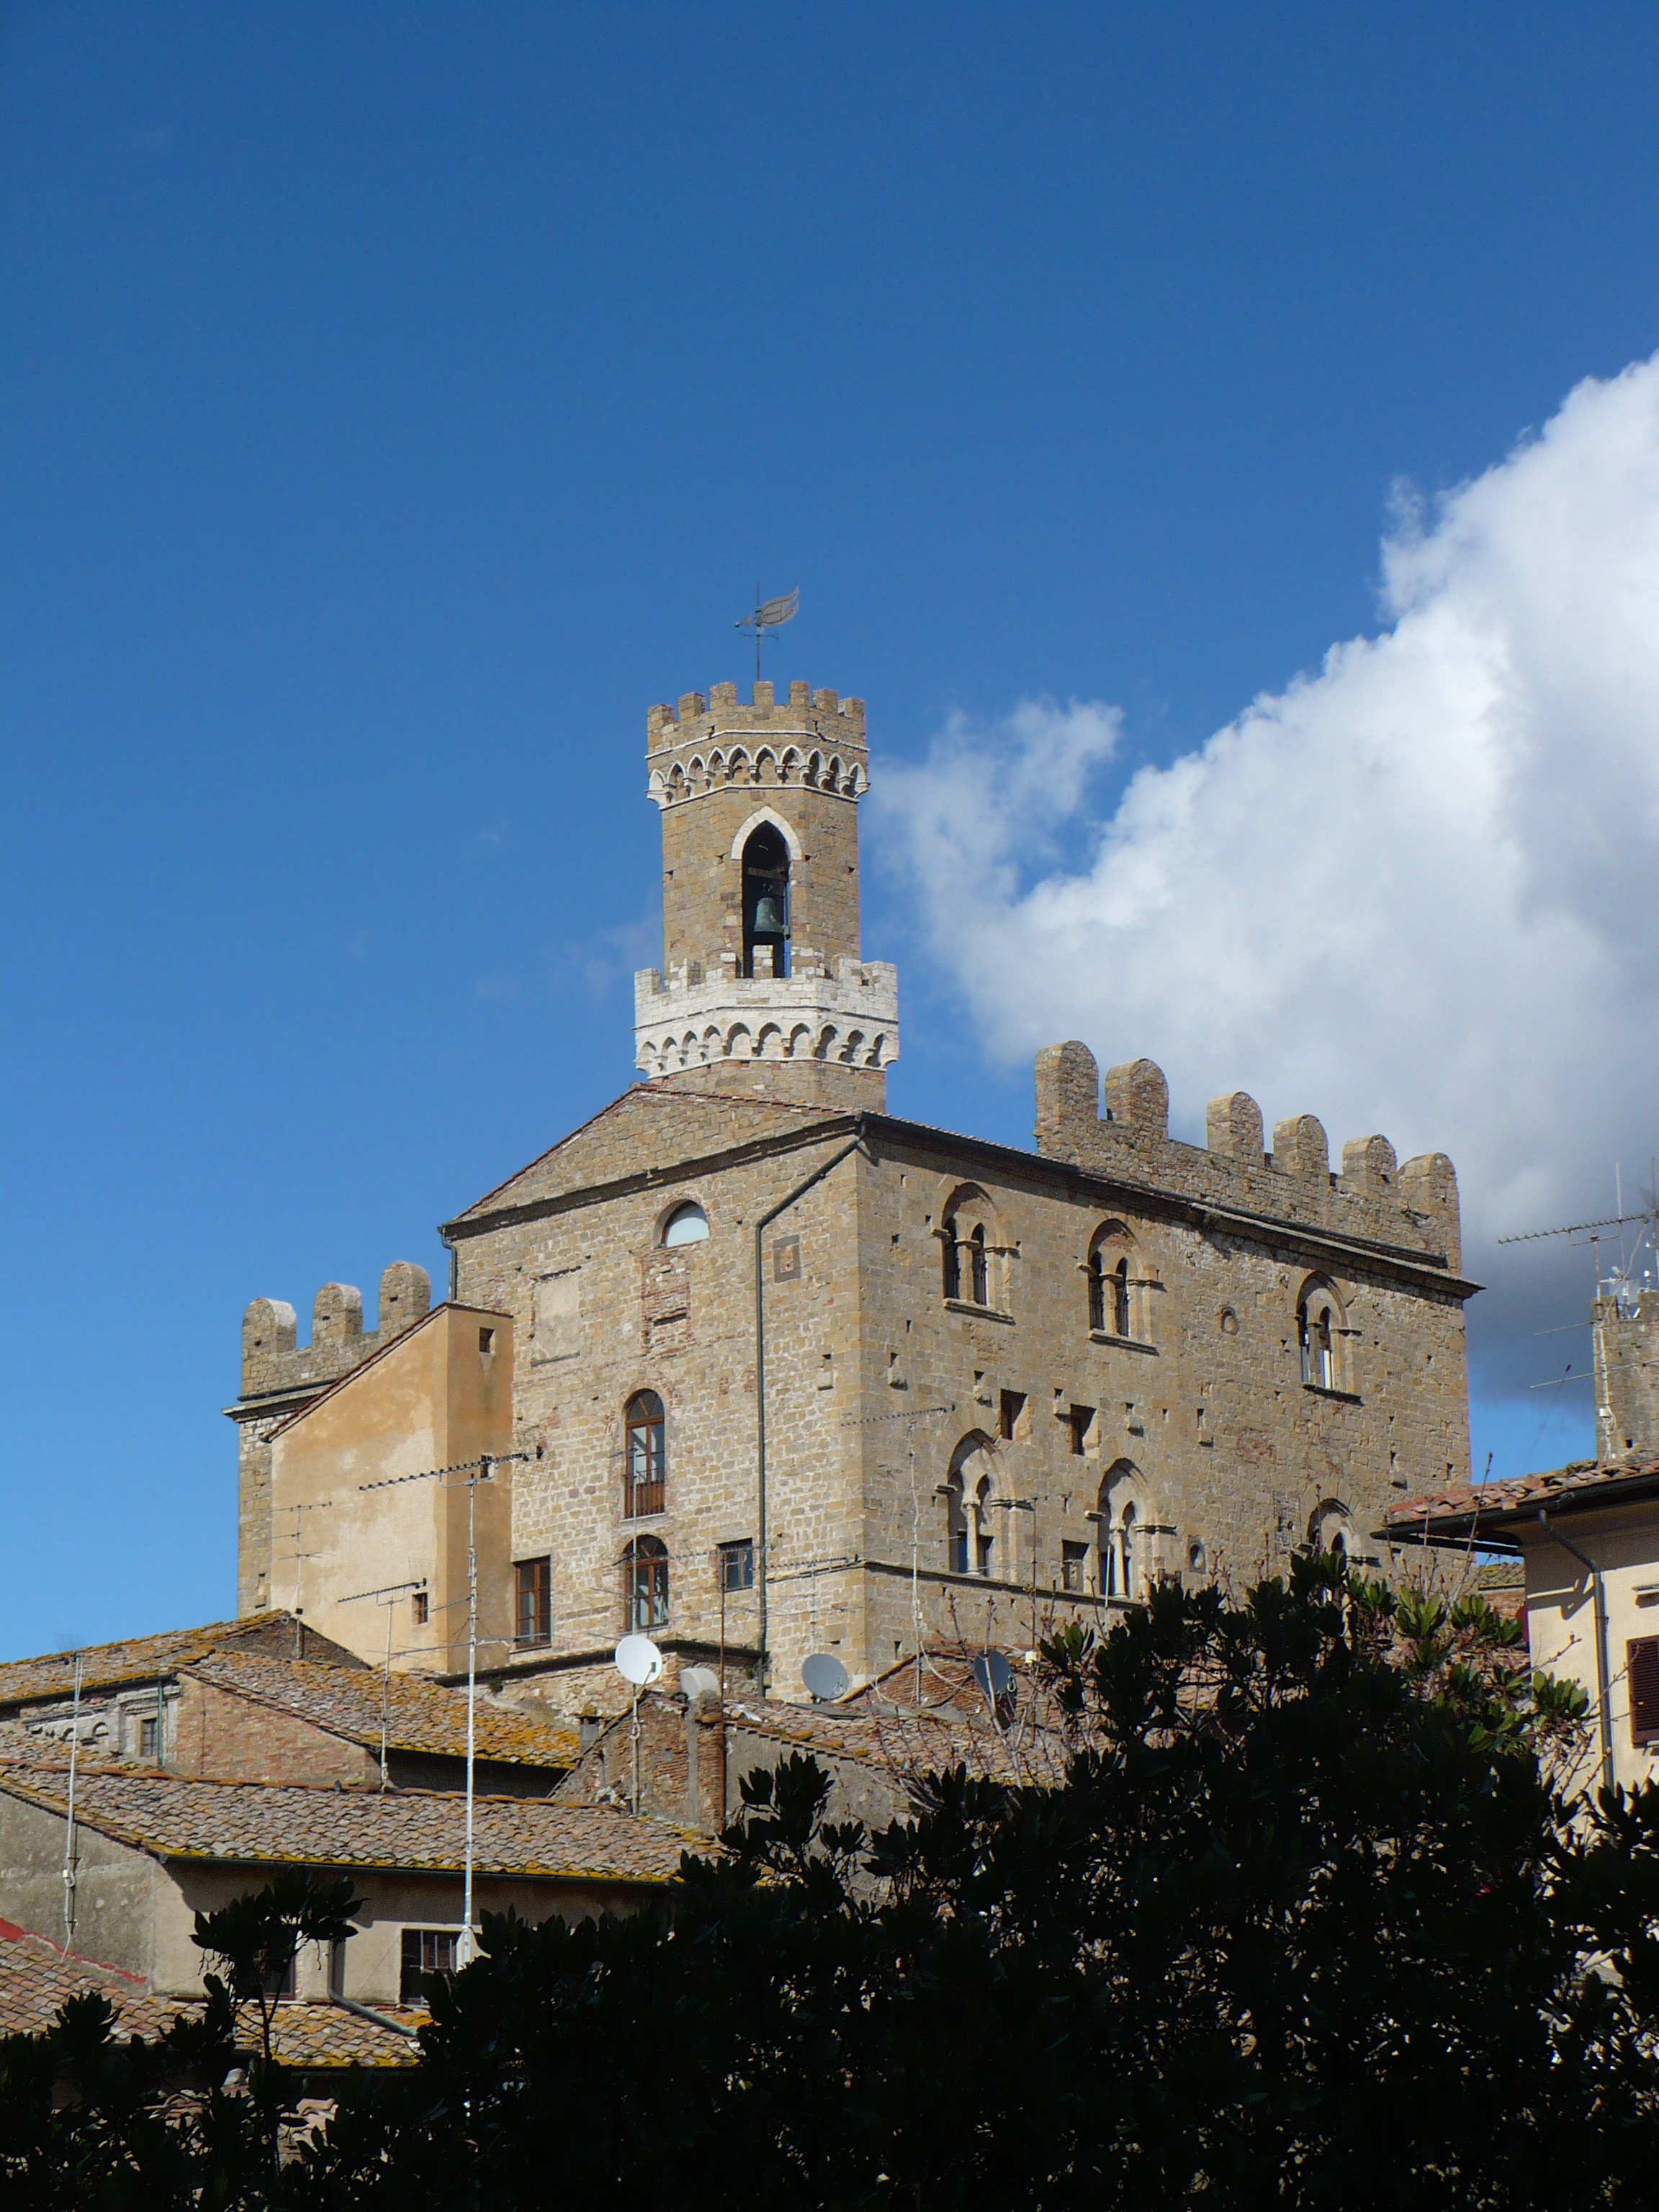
x=1311, y=1923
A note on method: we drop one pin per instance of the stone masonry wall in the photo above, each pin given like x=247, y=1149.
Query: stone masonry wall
x=1627, y=1412
x=714, y=764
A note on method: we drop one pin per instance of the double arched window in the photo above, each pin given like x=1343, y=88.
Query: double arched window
x=1322, y=1336
x=645, y=1458
x=1115, y=1288
x=1125, y=1535
x=645, y=1585
x=970, y=1535
x=971, y=1250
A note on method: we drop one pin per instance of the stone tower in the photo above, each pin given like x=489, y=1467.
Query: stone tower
x=762, y=988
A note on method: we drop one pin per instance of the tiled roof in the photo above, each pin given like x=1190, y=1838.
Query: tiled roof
x=269, y=1824
x=1498, y=1505
x=151, y=1658
x=423, y=1715
x=38, y=1977
x=908, y=1742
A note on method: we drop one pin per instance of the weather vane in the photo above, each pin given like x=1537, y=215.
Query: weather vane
x=768, y=615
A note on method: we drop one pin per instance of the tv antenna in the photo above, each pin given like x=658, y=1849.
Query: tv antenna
x=768, y=615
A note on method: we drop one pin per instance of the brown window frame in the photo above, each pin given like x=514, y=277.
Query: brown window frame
x=645, y=1456
x=1642, y=1677
x=645, y=1585
x=533, y=1606
x=423, y=1951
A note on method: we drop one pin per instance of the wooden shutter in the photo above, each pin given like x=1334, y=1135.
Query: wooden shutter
x=1642, y=1672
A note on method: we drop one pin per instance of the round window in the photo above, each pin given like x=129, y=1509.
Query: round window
x=686, y=1224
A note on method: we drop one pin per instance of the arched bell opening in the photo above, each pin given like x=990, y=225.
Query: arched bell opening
x=766, y=903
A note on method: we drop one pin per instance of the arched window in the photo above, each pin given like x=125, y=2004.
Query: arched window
x=1329, y=1529
x=970, y=1519
x=1125, y=1567
x=974, y=1256
x=1321, y=1337
x=645, y=1457
x=1115, y=1288
x=645, y=1585
x=766, y=903
x=686, y=1224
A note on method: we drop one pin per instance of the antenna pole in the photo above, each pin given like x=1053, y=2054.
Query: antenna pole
x=634, y=1735
x=482, y=1475
x=70, y=1873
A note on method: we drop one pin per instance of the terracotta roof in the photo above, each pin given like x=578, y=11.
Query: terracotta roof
x=38, y=1977
x=269, y=1824
x=422, y=1717
x=153, y=1658
x=1471, y=1510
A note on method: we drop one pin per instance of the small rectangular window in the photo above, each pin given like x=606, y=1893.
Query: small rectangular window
x=425, y=1951
x=1073, y=1565
x=736, y=1564
x=1078, y=1418
x=535, y=1605
x=1642, y=1672
x=336, y=1966
x=280, y=1983
x=982, y=1546
x=147, y=1739
x=1012, y=1405
x=419, y=1602
x=486, y=1339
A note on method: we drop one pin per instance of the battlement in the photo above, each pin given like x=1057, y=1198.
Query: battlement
x=842, y=1012
x=1374, y=1197
x=273, y=1358
x=812, y=741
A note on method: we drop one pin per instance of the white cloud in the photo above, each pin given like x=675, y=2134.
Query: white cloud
x=1416, y=891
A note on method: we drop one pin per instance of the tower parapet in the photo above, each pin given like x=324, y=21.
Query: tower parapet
x=762, y=984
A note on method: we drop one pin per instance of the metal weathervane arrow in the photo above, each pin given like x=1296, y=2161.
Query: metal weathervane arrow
x=769, y=614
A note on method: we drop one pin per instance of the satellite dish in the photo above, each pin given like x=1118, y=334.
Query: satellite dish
x=699, y=1682
x=994, y=1674
x=824, y=1676
x=638, y=1660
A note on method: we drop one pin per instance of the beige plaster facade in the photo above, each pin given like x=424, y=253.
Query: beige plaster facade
x=358, y=1509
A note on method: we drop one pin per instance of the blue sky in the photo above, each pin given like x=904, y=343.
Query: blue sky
x=398, y=400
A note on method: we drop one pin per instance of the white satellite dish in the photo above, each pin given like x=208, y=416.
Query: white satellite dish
x=638, y=1660
x=824, y=1676
x=699, y=1682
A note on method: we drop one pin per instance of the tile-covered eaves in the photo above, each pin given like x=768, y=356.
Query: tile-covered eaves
x=37, y=1978
x=421, y=1715
x=1498, y=1506
x=154, y=1658
x=266, y=1824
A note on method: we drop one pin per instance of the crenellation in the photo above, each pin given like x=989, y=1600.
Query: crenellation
x=1413, y=1208
x=337, y=1315
x=1302, y=1148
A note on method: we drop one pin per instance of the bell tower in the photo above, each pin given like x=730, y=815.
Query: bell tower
x=762, y=988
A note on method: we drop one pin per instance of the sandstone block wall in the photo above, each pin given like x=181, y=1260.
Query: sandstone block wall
x=1627, y=1386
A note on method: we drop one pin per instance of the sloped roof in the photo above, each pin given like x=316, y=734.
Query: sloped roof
x=421, y=1715
x=649, y=1129
x=907, y=1744
x=1474, y=1511
x=283, y=1824
x=38, y=1977
x=155, y=1658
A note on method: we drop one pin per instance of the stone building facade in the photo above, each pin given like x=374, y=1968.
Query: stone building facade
x=791, y=1374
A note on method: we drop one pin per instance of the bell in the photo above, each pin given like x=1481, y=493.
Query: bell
x=768, y=914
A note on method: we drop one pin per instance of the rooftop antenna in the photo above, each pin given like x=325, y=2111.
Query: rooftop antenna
x=1622, y=1285
x=768, y=615
x=386, y=1598
x=638, y=1661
